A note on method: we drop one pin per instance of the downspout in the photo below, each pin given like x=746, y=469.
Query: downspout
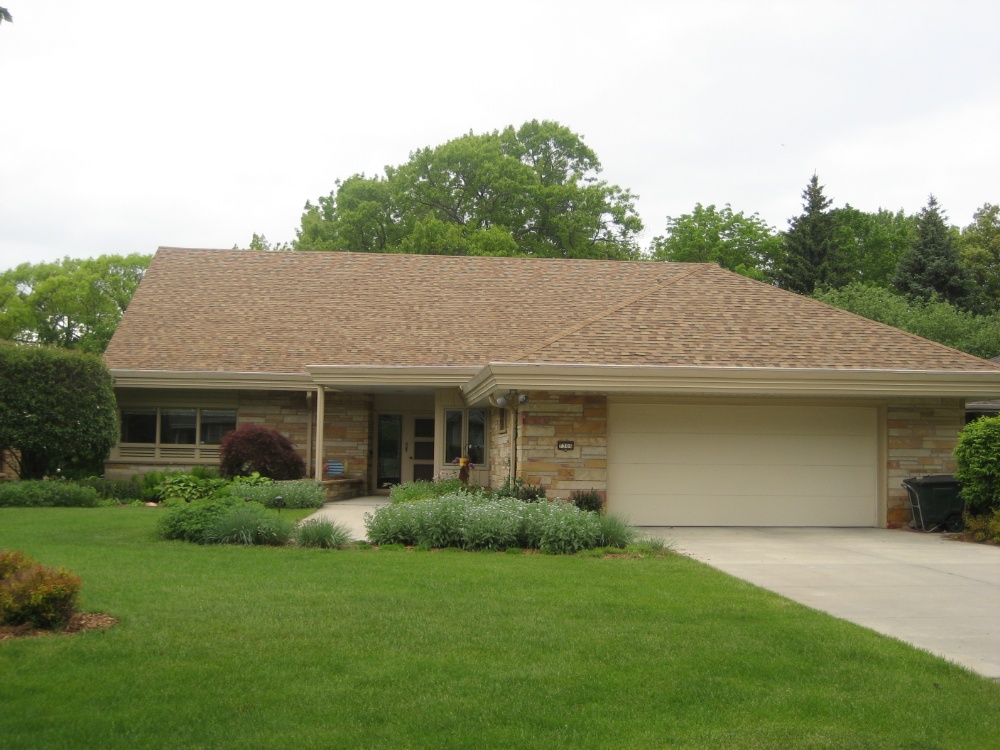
x=320, y=415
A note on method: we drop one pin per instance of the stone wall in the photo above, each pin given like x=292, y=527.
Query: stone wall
x=922, y=435
x=498, y=458
x=346, y=429
x=548, y=418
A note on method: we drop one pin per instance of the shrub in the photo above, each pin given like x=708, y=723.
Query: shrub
x=44, y=493
x=977, y=456
x=177, y=489
x=590, y=501
x=252, y=448
x=44, y=597
x=249, y=523
x=493, y=525
x=615, y=531
x=414, y=492
x=122, y=491
x=12, y=561
x=321, y=532
x=569, y=529
x=528, y=493
x=476, y=522
x=392, y=524
x=303, y=493
x=57, y=411
x=190, y=521
x=984, y=528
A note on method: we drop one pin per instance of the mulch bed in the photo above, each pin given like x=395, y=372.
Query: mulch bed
x=78, y=623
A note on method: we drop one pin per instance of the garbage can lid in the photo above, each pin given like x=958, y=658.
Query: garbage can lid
x=932, y=479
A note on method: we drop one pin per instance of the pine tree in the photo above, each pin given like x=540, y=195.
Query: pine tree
x=814, y=254
x=932, y=269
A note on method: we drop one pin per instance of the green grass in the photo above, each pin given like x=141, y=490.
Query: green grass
x=258, y=647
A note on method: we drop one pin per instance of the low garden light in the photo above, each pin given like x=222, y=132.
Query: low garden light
x=279, y=502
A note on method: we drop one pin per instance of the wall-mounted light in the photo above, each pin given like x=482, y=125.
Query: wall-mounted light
x=501, y=401
x=522, y=398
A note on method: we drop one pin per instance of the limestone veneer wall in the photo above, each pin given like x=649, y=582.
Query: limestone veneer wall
x=346, y=429
x=548, y=418
x=499, y=446
x=921, y=437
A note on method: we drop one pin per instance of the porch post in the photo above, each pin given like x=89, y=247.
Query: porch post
x=320, y=414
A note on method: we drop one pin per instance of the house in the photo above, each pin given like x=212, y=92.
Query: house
x=686, y=394
x=976, y=409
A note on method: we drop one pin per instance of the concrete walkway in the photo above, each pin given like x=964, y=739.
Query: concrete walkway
x=938, y=595
x=351, y=513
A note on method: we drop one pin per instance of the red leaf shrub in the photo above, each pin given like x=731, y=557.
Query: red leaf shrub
x=12, y=561
x=44, y=597
x=251, y=448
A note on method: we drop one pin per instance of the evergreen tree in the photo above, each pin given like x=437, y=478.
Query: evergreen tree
x=814, y=253
x=931, y=269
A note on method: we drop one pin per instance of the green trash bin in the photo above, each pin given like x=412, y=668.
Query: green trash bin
x=936, y=502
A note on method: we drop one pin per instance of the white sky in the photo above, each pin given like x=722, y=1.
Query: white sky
x=125, y=125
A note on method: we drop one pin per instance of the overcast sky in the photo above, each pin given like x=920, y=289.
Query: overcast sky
x=127, y=125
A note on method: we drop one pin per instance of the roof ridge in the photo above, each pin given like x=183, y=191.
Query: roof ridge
x=613, y=309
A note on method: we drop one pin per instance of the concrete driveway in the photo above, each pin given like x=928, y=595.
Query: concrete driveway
x=938, y=595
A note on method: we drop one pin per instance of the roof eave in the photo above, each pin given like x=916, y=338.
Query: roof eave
x=200, y=379
x=499, y=377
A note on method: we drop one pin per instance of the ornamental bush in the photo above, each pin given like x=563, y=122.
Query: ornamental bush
x=249, y=523
x=484, y=523
x=44, y=597
x=190, y=521
x=300, y=493
x=57, y=411
x=44, y=493
x=323, y=533
x=12, y=561
x=252, y=448
x=977, y=456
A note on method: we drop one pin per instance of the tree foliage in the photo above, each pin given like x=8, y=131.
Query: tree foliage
x=740, y=243
x=252, y=448
x=73, y=304
x=814, y=253
x=979, y=251
x=57, y=411
x=873, y=243
x=931, y=269
x=530, y=191
x=932, y=319
x=977, y=458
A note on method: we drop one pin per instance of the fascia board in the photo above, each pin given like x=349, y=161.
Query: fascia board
x=730, y=381
x=346, y=376
x=253, y=381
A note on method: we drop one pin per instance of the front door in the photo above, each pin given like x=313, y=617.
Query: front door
x=405, y=447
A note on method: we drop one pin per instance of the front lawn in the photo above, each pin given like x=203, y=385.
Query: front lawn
x=265, y=647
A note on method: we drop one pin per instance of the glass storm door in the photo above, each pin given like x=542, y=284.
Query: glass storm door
x=405, y=449
x=389, y=466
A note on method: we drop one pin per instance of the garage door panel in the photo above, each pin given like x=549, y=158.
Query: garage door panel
x=805, y=482
x=671, y=464
x=699, y=510
x=738, y=450
x=762, y=420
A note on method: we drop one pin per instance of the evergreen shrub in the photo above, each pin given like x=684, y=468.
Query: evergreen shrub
x=44, y=597
x=46, y=493
x=977, y=457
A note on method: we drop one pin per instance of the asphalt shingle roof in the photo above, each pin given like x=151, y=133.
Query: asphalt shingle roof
x=248, y=311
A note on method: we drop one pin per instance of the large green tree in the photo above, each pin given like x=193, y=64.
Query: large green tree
x=57, y=411
x=873, y=243
x=932, y=319
x=74, y=304
x=814, y=254
x=979, y=250
x=533, y=190
x=740, y=243
x=931, y=268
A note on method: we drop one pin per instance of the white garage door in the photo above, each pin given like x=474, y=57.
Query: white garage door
x=689, y=465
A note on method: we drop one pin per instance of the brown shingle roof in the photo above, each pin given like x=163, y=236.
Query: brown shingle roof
x=246, y=311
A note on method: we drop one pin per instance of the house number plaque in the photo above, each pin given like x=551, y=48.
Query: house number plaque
x=565, y=445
